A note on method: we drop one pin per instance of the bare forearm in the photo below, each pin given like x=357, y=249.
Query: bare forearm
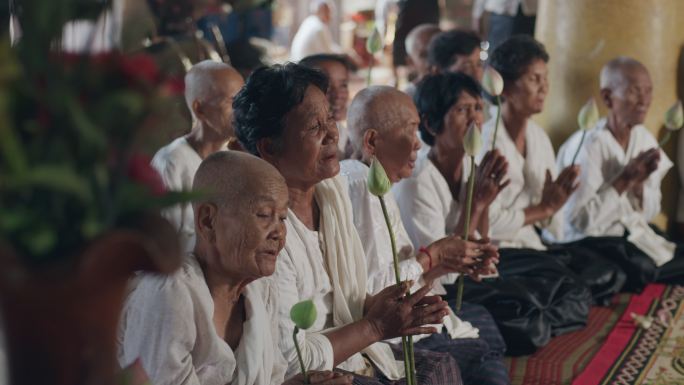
x=536, y=213
x=351, y=339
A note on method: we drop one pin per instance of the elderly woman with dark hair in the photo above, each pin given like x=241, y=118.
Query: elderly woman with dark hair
x=535, y=199
x=533, y=298
x=282, y=115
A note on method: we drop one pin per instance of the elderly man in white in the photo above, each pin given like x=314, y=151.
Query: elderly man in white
x=209, y=91
x=214, y=321
x=622, y=167
x=314, y=36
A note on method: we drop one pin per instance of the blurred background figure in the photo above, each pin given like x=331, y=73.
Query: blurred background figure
x=314, y=35
x=505, y=19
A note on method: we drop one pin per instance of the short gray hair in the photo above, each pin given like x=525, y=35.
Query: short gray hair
x=613, y=73
x=200, y=83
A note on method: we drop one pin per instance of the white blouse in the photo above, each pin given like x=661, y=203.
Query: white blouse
x=527, y=175
x=177, y=163
x=167, y=322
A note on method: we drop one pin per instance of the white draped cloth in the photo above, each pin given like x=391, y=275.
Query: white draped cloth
x=596, y=208
x=327, y=266
x=177, y=163
x=527, y=175
x=167, y=322
x=312, y=37
x=370, y=224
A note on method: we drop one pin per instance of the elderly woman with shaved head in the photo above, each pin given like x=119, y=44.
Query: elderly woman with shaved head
x=383, y=123
x=213, y=322
x=282, y=115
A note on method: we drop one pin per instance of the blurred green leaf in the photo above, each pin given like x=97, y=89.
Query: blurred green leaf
x=58, y=178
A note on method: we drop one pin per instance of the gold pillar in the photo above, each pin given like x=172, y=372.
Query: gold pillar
x=582, y=35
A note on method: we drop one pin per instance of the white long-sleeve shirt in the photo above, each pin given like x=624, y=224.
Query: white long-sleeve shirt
x=167, y=322
x=527, y=175
x=597, y=209
x=312, y=37
x=370, y=224
x=504, y=7
x=177, y=164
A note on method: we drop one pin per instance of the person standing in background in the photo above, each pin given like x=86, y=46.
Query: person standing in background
x=314, y=35
x=506, y=18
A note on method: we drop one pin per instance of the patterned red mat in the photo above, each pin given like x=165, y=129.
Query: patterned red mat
x=559, y=362
x=636, y=356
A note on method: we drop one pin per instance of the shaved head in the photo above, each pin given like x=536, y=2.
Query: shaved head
x=230, y=179
x=381, y=108
x=209, y=79
x=614, y=73
x=420, y=37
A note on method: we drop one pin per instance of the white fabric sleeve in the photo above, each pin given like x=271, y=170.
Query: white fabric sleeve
x=159, y=328
x=421, y=213
x=172, y=176
x=504, y=222
x=596, y=205
x=478, y=9
x=317, y=351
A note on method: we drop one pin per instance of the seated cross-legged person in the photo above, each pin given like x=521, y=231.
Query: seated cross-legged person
x=214, y=321
x=209, y=90
x=534, y=199
x=622, y=167
x=534, y=298
x=383, y=122
x=282, y=115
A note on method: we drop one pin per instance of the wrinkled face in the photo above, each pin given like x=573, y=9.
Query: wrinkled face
x=249, y=235
x=338, y=88
x=217, y=111
x=396, y=148
x=466, y=110
x=631, y=100
x=527, y=94
x=307, y=152
x=468, y=64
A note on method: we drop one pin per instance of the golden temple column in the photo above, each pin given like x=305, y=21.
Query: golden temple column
x=582, y=35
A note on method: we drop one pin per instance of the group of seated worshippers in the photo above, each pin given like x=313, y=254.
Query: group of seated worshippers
x=281, y=219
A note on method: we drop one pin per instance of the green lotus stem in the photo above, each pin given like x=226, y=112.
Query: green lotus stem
x=466, y=228
x=665, y=138
x=406, y=343
x=498, y=117
x=299, y=355
x=574, y=158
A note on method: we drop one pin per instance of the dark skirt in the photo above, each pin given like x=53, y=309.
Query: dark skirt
x=638, y=267
x=535, y=297
x=432, y=368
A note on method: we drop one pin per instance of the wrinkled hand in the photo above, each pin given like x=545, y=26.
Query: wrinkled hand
x=391, y=314
x=556, y=193
x=465, y=257
x=489, y=178
x=641, y=167
x=322, y=377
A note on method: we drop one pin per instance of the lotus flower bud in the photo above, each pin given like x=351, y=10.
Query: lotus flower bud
x=674, y=117
x=472, y=141
x=303, y=314
x=642, y=321
x=378, y=181
x=374, y=42
x=492, y=81
x=588, y=115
